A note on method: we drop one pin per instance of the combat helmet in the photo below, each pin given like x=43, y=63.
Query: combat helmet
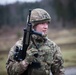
x=39, y=15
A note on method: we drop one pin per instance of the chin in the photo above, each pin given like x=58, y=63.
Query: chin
x=45, y=34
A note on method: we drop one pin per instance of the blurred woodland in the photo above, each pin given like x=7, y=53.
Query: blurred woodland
x=63, y=12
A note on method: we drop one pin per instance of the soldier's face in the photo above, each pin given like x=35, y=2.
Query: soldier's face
x=43, y=27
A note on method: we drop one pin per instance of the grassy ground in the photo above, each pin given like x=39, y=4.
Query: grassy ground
x=69, y=58
x=65, y=38
x=3, y=58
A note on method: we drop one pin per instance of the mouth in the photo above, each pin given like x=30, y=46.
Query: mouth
x=45, y=31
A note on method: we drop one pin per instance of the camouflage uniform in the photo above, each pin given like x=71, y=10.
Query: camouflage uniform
x=42, y=57
x=49, y=57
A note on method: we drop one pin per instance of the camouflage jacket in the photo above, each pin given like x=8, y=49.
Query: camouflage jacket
x=50, y=58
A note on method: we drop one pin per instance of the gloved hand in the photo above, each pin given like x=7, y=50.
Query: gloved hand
x=32, y=56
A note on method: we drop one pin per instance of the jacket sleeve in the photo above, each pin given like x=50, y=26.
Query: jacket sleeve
x=57, y=65
x=13, y=67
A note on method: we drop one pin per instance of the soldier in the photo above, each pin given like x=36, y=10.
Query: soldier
x=43, y=56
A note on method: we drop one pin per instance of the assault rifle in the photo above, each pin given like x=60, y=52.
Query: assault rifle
x=20, y=54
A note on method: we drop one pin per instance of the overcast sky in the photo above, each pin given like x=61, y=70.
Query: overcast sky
x=12, y=1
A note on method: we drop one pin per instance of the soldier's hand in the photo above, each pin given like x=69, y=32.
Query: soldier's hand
x=32, y=54
x=33, y=61
x=32, y=58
